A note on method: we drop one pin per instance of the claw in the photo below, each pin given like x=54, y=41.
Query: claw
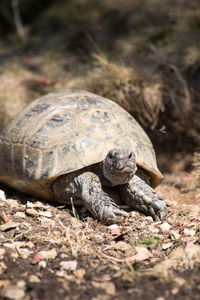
x=120, y=212
x=156, y=205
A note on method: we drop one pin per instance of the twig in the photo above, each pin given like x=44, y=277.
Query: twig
x=17, y=19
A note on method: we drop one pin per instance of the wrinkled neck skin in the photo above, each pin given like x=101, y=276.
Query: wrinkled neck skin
x=117, y=178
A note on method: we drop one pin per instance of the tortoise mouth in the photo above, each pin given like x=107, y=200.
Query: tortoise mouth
x=119, y=176
x=121, y=170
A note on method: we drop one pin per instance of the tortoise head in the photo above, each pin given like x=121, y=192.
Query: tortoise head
x=119, y=166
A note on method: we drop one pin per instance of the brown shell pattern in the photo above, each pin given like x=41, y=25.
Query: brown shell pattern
x=63, y=132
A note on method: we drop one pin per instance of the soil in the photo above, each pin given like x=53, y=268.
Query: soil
x=57, y=252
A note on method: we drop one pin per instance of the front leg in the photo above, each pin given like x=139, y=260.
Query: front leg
x=87, y=186
x=140, y=196
x=97, y=201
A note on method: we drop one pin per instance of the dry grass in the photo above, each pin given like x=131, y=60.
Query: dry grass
x=144, y=93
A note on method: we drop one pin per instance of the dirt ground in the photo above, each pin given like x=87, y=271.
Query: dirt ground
x=49, y=251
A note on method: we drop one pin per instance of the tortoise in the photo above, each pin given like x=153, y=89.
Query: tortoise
x=78, y=146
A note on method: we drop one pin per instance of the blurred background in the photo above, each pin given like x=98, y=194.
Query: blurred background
x=143, y=54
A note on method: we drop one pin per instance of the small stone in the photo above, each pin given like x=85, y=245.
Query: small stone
x=174, y=235
x=165, y=227
x=3, y=267
x=47, y=221
x=4, y=282
x=46, y=214
x=2, y=195
x=13, y=202
x=179, y=281
x=21, y=283
x=42, y=264
x=24, y=253
x=50, y=254
x=13, y=292
x=80, y=273
x=20, y=214
x=9, y=225
x=29, y=244
x=15, y=245
x=114, y=228
x=69, y=265
x=33, y=278
x=167, y=245
x=2, y=252
x=189, y=232
x=149, y=220
x=110, y=288
x=32, y=212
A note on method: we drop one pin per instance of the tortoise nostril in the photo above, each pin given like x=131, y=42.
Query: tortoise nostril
x=119, y=165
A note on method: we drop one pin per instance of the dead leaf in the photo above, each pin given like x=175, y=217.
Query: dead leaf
x=142, y=254
x=4, y=218
x=38, y=257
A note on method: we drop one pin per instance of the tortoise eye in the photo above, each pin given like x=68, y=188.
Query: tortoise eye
x=110, y=155
x=130, y=155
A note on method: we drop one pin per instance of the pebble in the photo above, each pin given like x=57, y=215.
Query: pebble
x=110, y=289
x=13, y=292
x=165, y=227
x=189, y=232
x=174, y=235
x=49, y=254
x=9, y=225
x=2, y=195
x=20, y=214
x=32, y=212
x=2, y=252
x=42, y=264
x=69, y=265
x=167, y=245
x=46, y=214
x=80, y=273
x=33, y=278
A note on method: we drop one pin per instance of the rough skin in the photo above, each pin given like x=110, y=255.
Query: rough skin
x=117, y=171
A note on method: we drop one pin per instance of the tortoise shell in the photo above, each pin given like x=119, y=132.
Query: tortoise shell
x=63, y=132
